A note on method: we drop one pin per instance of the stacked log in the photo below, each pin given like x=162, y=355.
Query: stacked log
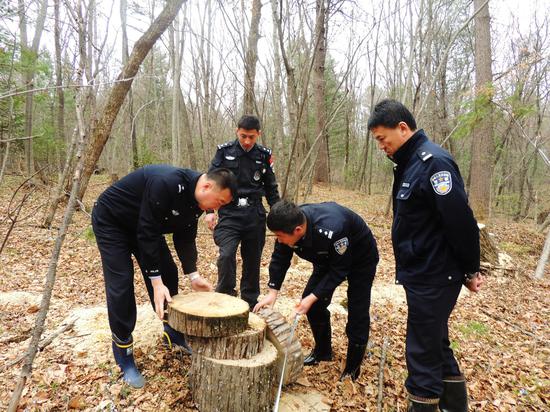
x=278, y=333
x=233, y=366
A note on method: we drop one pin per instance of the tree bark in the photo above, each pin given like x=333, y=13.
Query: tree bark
x=102, y=129
x=539, y=272
x=481, y=169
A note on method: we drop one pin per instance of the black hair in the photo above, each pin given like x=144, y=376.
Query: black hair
x=389, y=113
x=284, y=216
x=249, y=122
x=224, y=179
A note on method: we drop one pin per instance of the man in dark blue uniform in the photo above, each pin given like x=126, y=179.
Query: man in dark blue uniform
x=341, y=246
x=131, y=218
x=243, y=221
x=436, y=245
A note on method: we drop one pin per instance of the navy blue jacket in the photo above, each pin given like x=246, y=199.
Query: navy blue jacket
x=435, y=235
x=152, y=201
x=254, y=171
x=337, y=241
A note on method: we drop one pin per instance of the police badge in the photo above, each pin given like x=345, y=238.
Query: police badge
x=341, y=245
x=257, y=175
x=441, y=182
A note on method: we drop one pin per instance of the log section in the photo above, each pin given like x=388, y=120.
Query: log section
x=240, y=346
x=208, y=314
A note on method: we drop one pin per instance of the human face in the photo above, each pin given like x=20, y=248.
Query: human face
x=391, y=139
x=247, y=138
x=210, y=196
x=290, y=239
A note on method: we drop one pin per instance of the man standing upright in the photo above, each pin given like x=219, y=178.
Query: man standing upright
x=436, y=245
x=243, y=220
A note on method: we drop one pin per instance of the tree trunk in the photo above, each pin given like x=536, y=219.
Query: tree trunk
x=481, y=169
x=208, y=314
x=251, y=58
x=102, y=129
x=319, y=56
x=539, y=272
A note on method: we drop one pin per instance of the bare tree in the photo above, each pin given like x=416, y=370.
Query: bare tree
x=251, y=58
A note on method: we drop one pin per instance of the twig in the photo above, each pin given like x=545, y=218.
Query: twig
x=381, y=375
x=46, y=341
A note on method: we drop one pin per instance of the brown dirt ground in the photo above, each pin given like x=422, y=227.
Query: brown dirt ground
x=500, y=335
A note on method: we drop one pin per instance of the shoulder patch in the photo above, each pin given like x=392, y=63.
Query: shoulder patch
x=325, y=232
x=442, y=182
x=424, y=154
x=341, y=245
x=226, y=144
x=264, y=149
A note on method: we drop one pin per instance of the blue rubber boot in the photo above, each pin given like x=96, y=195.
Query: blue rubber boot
x=124, y=357
x=172, y=337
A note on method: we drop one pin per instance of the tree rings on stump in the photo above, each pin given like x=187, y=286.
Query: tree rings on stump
x=208, y=314
x=243, y=345
x=278, y=332
x=240, y=385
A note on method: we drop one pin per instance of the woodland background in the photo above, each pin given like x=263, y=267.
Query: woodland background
x=90, y=90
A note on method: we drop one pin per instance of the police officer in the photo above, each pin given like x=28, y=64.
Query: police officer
x=130, y=218
x=341, y=246
x=244, y=219
x=436, y=245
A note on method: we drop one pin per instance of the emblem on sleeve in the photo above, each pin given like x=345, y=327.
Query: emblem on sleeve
x=341, y=245
x=441, y=182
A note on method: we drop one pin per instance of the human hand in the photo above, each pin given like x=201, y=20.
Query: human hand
x=474, y=284
x=269, y=300
x=211, y=220
x=200, y=284
x=160, y=294
x=305, y=304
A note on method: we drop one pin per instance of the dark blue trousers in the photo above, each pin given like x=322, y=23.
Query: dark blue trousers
x=116, y=246
x=246, y=226
x=428, y=352
x=358, y=293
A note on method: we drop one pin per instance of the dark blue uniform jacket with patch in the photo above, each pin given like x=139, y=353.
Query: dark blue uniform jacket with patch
x=337, y=241
x=435, y=235
x=254, y=171
x=153, y=201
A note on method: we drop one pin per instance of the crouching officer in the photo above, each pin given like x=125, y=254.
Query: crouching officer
x=130, y=218
x=244, y=219
x=341, y=246
x=436, y=245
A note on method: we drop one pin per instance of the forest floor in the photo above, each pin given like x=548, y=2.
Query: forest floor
x=500, y=336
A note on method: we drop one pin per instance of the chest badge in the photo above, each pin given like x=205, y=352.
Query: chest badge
x=341, y=245
x=230, y=157
x=257, y=175
x=175, y=213
x=442, y=182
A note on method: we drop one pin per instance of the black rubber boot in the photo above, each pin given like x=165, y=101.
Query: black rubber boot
x=455, y=396
x=124, y=357
x=353, y=361
x=173, y=338
x=323, y=347
x=426, y=405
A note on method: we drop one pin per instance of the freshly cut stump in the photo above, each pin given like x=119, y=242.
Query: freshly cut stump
x=241, y=346
x=208, y=314
x=240, y=385
x=278, y=332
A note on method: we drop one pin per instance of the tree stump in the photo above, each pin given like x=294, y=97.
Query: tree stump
x=278, y=332
x=243, y=345
x=489, y=251
x=238, y=385
x=208, y=314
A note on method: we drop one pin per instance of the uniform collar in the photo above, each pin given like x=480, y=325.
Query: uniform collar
x=404, y=153
x=240, y=151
